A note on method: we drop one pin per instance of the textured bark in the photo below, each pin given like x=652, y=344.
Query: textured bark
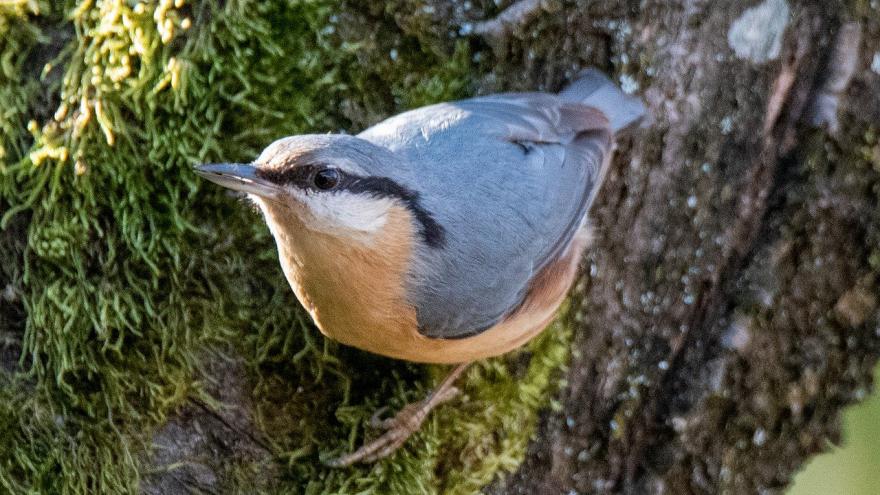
x=728, y=311
x=731, y=313
x=209, y=440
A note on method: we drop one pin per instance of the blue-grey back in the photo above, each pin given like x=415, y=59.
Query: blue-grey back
x=510, y=178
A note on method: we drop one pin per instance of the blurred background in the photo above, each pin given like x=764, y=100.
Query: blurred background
x=854, y=467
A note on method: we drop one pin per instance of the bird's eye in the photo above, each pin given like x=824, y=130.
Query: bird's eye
x=326, y=179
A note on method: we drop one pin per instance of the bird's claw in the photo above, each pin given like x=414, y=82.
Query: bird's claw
x=397, y=429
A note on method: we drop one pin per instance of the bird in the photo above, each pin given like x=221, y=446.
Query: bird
x=445, y=234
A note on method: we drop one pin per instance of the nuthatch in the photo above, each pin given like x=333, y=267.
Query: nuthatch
x=445, y=234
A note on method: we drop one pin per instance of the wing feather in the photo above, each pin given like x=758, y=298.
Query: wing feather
x=582, y=131
x=510, y=177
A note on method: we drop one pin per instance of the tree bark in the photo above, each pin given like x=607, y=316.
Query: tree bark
x=731, y=313
x=728, y=310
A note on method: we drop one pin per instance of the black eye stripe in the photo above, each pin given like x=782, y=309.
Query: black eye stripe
x=295, y=176
x=303, y=177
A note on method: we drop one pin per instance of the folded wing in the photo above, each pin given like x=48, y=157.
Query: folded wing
x=510, y=177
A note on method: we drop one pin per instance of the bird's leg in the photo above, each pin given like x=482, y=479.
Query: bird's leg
x=400, y=427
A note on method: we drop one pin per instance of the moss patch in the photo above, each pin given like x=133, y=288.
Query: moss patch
x=134, y=268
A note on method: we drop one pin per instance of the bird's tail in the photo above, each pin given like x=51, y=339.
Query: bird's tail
x=593, y=88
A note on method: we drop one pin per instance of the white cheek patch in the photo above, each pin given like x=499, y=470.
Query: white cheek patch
x=344, y=213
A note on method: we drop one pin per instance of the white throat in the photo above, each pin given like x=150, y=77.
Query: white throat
x=341, y=214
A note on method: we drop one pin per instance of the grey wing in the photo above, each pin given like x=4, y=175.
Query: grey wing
x=510, y=178
x=575, y=143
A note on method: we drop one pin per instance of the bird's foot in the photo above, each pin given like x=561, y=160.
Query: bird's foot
x=401, y=426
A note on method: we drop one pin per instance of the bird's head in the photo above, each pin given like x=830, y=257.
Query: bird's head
x=346, y=225
x=336, y=185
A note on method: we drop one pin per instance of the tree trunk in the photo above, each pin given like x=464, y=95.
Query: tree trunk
x=732, y=313
x=727, y=313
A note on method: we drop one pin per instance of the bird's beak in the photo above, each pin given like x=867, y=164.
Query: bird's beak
x=239, y=177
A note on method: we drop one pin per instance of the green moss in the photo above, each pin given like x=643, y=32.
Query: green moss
x=17, y=38
x=134, y=268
